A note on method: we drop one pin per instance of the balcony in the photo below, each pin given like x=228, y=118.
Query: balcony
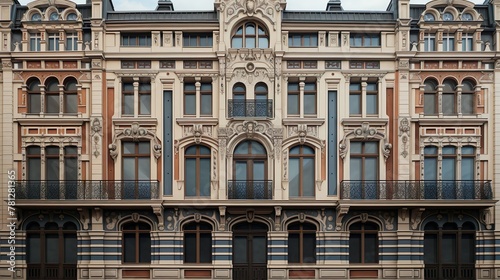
x=250, y=189
x=87, y=190
x=416, y=190
x=250, y=108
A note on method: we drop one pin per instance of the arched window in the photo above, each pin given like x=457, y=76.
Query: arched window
x=250, y=35
x=53, y=251
x=468, y=91
x=70, y=96
x=52, y=96
x=449, y=97
x=136, y=243
x=238, y=106
x=301, y=171
x=262, y=108
x=301, y=243
x=197, y=171
x=430, y=98
x=449, y=251
x=249, y=172
x=198, y=243
x=363, y=243
x=34, y=97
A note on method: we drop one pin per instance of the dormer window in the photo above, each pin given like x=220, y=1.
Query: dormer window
x=54, y=16
x=467, y=17
x=429, y=17
x=447, y=16
x=72, y=16
x=36, y=17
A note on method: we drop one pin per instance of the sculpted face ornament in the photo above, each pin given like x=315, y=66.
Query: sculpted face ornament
x=250, y=7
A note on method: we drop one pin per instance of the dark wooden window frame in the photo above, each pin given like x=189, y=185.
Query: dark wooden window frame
x=435, y=94
x=198, y=156
x=364, y=156
x=206, y=92
x=198, y=35
x=134, y=39
x=144, y=92
x=357, y=92
x=127, y=92
x=373, y=92
x=301, y=157
x=32, y=91
x=137, y=232
x=294, y=92
x=301, y=232
x=471, y=92
x=256, y=36
x=249, y=158
x=311, y=92
x=68, y=92
x=136, y=155
x=363, y=232
x=366, y=40
x=451, y=92
x=302, y=36
x=52, y=93
x=198, y=232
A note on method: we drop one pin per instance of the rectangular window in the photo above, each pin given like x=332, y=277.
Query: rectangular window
x=293, y=99
x=372, y=99
x=34, y=103
x=193, y=40
x=430, y=107
x=189, y=99
x=71, y=41
x=448, y=42
x=35, y=39
x=206, y=99
x=70, y=103
x=144, y=98
x=430, y=43
x=52, y=103
x=310, y=99
x=333, y=64
x=449, y=104
x=140, y=64
x=136, y=40
x=467, y=42
x=365, y=40
x=128, y=98
x=305, y=40
x=53, y=41
x=364, y=64
x=467, y=103
x=355, y=99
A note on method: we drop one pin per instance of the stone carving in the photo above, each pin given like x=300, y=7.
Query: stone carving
x=135, y=132
x=158, y=210
x=111, y=220
x=388, y=219
x=404, y=133
x=341, y=212
x=365, y=132
x=416, y=217
x=84, y=217
x=96, y=133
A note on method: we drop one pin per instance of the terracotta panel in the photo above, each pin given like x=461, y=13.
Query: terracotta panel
x=136, y=274
x=197, y=273
x=364, y=273
x=302, y=274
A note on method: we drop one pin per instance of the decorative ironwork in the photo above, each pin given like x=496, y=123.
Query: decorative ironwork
x=51, y=271
x=422, y=190
x=87, y=190
x=250, y=108
x=450, y=271
x=250, y=189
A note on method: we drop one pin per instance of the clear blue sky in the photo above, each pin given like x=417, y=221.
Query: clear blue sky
x=291, y=4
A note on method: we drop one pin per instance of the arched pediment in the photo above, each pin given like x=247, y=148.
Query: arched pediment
x=456, y=3
x=57, y=3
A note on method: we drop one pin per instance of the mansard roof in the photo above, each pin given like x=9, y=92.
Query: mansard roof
x=176, y=16
x=338, y=16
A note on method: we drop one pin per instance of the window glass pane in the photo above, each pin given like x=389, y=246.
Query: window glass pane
x=128, y=104
x=259, y=249
x=371, y=147
x=145, y=104
x=430, y=169
x=293, y=177
x=449, y=169
x=190, y=247
x=250, y=43
x=144, y=147
x=355, y=104
x=263, y=43
x=52, y=169
x=371, y=168
x=70, y=169
x=467, y=104
x=293, y=248
x=355, y=248
x=250, y=29
x=293, y=104
x=242, y=149
x=237, y=43
x=205, y=177
x=430, y=249
x=241, y=171
x=206, y=247
x=308, y=176
x=356, y=168
x=129, y=247
x=34, y=169
x=356, y=147
x=52, y=246
x=307, y=150
x=467, y=168
x=309, y=248
x=240, y=249
x=371, y=251
x=449, y=248
x=204, y=150
x=34, y=103
x=70, y=249
x=144, y=247
x=430, y=104
x=258, y=149
x=372, y=104
x=33, y=243
x=128, y=148
x=468, y=252
x=70, y=103
x=190, y=104
x=468, y=150
x=448, y=104
x=190, y=177
x=310, y=104
x=144, y=168
x=129, y=169
x=258, y=171
x=206, y=104
x=52, y=105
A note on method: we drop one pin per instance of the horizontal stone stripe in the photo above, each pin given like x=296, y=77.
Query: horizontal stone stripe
x=396, y=249
x=222, y=258
x=335, y=257
x=278, y=242
x=101, y=258
x=97, y=242
x=222, y=250
x=170, y=258
x=169, y=242
x=222, y=242
x=278, y=258
x=333, y=242
x=100, y=249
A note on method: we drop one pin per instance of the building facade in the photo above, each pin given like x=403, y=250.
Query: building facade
x=249, y=141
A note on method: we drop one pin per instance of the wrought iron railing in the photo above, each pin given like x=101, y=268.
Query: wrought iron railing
x=424, y=190
x=449, y=271
x=51, y=272
x=250, y=189
x=83, y=190
x=250, y=108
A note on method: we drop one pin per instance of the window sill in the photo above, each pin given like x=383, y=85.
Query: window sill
x=195, y=120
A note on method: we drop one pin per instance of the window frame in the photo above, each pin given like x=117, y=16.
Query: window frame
x=71, y=41
x=199, y=246
x=448, y=42
x=312, y=37
x=35, y=41
x=136, y=155
x=429, y=42
x=301, y=232
x=54, y=93
x=244, y=36
x=198, y=36
x=133, y=39
x=198, y=157
x=367, y=40
x=467, y=42
x=363, y=232
x=137, y=238
x=300, y=157
x=364, y=156
x=53, y=39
